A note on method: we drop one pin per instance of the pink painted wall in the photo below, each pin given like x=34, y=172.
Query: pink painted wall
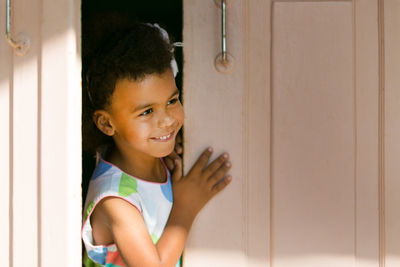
x=312, y=138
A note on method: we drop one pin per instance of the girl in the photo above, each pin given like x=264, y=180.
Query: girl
x=136, y=212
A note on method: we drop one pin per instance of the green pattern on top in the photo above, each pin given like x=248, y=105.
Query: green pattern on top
x=154, y=238
x=127, y=185
x=88, y=262
x=88, y=210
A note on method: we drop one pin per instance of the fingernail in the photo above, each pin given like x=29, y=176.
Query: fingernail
x=209, y=149
x=225, y=155
x=229, y=178
x=228, y=164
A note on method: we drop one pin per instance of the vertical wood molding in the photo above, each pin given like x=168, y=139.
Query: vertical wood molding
x=354, y=29
x=271, y=133
x=366, y=67
x=256, y=91
x=381, y=133
x=245, y=128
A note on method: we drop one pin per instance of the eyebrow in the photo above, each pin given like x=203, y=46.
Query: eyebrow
x=143, y=106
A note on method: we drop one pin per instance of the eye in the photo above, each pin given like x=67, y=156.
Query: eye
x=173, y=101
x=146, y=112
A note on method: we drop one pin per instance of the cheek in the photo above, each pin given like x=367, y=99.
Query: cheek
x=140, y=131
x=179, y=114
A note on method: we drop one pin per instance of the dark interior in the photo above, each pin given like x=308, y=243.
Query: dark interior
x=101, y=16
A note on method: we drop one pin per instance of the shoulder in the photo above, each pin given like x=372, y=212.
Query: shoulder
x=112, y=210
x=111, y=213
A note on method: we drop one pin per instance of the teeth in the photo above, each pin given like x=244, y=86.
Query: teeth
x=164, y=137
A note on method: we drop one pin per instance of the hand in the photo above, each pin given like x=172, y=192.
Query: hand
x=194, y=190
x=191, y=193
x=176, y=154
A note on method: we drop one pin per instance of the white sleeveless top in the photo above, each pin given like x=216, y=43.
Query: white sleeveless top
x=153, y=200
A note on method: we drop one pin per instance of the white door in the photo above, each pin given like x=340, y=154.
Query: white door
x=40, y=150
x=310, y=114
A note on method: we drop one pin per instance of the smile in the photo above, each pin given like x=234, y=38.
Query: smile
x=164, y=138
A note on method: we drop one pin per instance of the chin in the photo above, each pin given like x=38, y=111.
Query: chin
x=164, y=153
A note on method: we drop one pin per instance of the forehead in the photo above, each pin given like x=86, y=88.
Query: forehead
x=151, y=89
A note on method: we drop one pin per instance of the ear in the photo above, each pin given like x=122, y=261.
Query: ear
x=103, y=122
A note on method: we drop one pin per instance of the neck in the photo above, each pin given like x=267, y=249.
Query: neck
x=138, y=165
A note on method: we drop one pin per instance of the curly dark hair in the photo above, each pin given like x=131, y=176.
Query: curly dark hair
x=131, y=53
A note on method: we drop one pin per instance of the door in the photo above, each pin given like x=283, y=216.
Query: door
x=40, y=155
x=309, y=114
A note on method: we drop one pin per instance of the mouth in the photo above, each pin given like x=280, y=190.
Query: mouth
x=164, y=138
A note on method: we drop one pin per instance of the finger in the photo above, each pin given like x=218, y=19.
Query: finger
x=177, y=174
x=202, y=160
x=216, y=177
x=178, y=143
x=215, y=165
x=169, y=162
x=221, y=184
x=178, y=149
x=174, y=156
x=178, y=138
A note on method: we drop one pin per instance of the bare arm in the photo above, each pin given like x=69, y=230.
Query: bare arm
x=191, y=193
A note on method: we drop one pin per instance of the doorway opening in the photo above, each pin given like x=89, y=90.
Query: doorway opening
x=100, y=17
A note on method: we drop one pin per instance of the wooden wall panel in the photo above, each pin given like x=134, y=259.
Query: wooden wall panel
x=213, y=107
x=318, y=141
x=391, y=14
x=40, y=155
x=230, y=112
x=25, y=130
x=5, y=138
x=313, y=134
x=60, y=142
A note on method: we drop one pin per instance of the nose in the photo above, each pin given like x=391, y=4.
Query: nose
x=166, y=120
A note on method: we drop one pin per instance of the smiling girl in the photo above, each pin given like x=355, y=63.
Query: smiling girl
x=137, y=213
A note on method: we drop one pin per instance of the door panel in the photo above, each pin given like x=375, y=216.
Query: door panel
x=313, y=133
x=301, y=117
x=40, y=92
x=5, y=145
x=216, y=100
x=25, y=182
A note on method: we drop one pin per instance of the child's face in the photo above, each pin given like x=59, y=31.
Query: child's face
x=146, y=115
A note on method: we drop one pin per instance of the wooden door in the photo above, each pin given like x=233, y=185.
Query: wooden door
x=40, y=150
x=310, y=116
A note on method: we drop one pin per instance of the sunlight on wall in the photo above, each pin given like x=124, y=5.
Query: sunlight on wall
x=61, y=144
x=327, y=260
x=4, y=166
x=214, y=257
x=392, y=261
x=25, y=155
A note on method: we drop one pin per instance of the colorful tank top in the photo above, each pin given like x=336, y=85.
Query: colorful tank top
x=153, y=200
